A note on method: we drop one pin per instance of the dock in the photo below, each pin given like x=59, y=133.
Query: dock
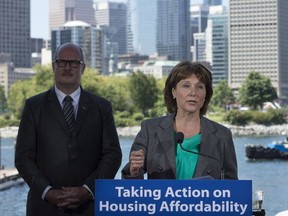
x=9, y=178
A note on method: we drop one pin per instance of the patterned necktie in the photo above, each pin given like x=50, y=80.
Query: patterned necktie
x=69, y=112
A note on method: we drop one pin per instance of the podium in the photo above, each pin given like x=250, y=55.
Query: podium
x=173, y=197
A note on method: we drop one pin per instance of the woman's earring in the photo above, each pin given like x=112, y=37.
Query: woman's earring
x=174, y=97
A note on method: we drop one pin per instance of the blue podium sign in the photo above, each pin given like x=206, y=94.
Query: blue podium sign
x=173, y=197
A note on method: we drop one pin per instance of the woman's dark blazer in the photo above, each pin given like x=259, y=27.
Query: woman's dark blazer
x=156, y=138
x=46, y=153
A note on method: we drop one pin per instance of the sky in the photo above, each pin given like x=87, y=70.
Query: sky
x=40, y=17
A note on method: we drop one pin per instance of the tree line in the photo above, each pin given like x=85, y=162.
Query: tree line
x=138, y=96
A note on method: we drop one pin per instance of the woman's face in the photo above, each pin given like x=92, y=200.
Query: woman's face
x=190, y=95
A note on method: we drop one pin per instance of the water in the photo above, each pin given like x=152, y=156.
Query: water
x=269, y=176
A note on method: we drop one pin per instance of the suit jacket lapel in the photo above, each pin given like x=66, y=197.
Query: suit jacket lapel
x=55, y=106
x=166, y=138
x=207, y=146
x=83, y=108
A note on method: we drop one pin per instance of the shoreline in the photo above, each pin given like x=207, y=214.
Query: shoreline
x=258, y=130
x=249, y=130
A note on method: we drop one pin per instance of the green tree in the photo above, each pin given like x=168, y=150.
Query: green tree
x=144, y=91
x=44, y=78
x=23, y=89
x=112, y=88
x=256, y=90
x=159, y=108
x=2, y=100
x=17, y=95
x=91, y=81
x=115, y=89
x=223, y=95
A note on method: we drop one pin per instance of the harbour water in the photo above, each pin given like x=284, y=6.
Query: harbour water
x=269, y=176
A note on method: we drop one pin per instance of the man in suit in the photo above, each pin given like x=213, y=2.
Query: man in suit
x=60, y=158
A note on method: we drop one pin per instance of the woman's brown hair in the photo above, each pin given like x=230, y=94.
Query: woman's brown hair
x=181, y=71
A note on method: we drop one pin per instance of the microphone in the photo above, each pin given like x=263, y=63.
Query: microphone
x=180, y=138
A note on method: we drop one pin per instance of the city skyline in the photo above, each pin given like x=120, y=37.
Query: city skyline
x=40, y=17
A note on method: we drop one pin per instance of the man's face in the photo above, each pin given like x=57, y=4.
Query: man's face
x=68, y=68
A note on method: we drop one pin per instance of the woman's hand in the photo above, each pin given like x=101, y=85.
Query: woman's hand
x=136, y=162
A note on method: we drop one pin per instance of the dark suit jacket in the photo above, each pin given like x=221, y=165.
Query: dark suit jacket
x=46, y=154
x=156, y=138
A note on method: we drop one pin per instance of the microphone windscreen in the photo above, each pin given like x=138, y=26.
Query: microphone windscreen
x=179, y=137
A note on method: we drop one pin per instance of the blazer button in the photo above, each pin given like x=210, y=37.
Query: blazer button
x=159, y=168
x=69, y=146
x=208, y=171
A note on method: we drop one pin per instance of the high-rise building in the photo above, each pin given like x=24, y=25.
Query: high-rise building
x=199, y=47
x=88, y=37
x=141, y=26
x=62, y=11
x=217, y=42
x=9, y=75
x=259, y=42
x=173, y=29
x=46, y=53
x=113, y=16
x=15, y=31
x=36, y=47
x=199, y=15
x=212, y=2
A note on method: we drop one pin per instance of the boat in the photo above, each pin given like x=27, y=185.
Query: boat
x=9, y=178
x=274, y=150
x=4, y=185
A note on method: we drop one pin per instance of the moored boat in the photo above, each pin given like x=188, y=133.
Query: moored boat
x=9, y=178
x=274, y=150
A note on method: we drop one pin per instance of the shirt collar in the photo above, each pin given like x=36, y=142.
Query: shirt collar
x=75, y=95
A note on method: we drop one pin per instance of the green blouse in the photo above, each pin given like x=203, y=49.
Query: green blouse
x=185, y=161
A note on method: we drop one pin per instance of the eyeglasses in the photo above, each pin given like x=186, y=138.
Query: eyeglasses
x=72, y=63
